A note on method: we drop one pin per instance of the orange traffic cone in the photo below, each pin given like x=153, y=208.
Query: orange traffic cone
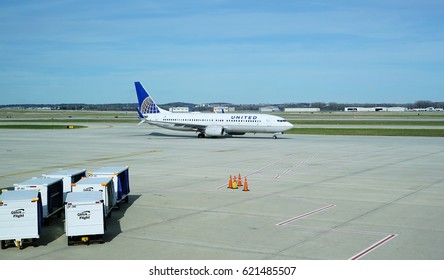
x=246, y=185
x=230, y=183
x=239, y=180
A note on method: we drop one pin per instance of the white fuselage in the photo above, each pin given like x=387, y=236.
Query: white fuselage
x=231, y=123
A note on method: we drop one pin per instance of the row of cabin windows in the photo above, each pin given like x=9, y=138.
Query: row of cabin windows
x=202, y=120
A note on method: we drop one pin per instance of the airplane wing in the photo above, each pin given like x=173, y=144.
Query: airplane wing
x=179, y=126
x=190, y=126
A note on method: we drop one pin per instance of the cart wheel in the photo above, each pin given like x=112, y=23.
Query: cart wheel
x=3, y=244
x=126, y=199
x=34, y=242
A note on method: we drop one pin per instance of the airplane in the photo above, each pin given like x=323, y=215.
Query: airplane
x=207, y=124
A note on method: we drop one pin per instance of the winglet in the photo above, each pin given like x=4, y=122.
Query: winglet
x=141, y=117
x=140, y=114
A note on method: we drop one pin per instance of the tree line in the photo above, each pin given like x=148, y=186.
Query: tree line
x=330, y=106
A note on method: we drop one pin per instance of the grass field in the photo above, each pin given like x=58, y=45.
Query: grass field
x=365, y=115
x=369, y=131
x=39, y=126
x=371, y=122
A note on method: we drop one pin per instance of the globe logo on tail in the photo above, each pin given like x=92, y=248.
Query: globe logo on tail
x=148, y=106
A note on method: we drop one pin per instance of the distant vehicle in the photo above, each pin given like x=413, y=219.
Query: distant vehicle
x=208, y=124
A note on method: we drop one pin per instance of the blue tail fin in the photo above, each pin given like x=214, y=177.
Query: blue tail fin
x=146, y=103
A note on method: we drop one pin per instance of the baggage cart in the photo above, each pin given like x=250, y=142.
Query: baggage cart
x=103, y=185
x=84, y=217
x=68, y=176
x=120, y=175
x=51, y=190
x=20, y=217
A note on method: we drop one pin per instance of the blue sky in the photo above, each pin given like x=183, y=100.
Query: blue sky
x=215, y=50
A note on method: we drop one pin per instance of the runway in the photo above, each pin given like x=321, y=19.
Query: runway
x=311, y=197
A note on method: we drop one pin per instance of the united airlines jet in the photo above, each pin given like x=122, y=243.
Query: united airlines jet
x=208, y=124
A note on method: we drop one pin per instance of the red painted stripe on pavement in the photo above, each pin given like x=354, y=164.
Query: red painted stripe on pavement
x=373, y=247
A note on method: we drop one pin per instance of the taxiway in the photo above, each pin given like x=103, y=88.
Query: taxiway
x=311, y=197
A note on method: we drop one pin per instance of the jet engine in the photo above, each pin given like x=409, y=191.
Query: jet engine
x=214, y=131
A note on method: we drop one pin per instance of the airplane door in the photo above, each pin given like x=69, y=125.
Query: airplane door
x=268, y=125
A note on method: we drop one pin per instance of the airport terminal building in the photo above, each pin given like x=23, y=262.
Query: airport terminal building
x=375, y=109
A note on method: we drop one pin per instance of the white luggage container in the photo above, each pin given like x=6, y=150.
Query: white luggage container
x=68, y=176
x=20, y=217
x=84, y=217
x=51, y=190
x=120, y=175
x=104, y=185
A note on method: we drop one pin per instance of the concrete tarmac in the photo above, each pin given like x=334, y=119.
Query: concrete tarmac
x=311, y=197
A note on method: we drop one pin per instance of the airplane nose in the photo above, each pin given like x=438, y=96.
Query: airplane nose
x=288, y=126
